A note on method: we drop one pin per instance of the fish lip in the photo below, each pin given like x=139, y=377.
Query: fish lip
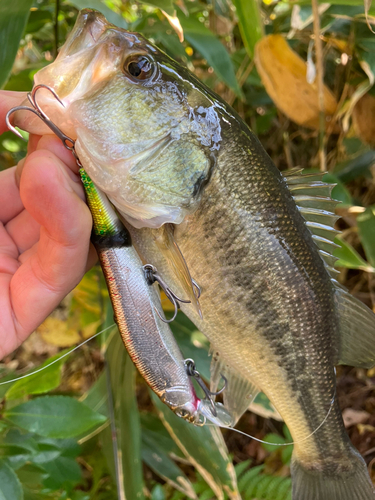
x=92, y=28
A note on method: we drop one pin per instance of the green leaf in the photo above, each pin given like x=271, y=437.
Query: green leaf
x=272, y=438
x=13, y=18
x=111, y=16
x=154, y=430
x=158, y=493
x=349, y=257
x=366, y=228
x=165, y=468
x=61, y=472
x=10, y=486
x=54, y=416
x=250, y=23
x=192, y=343
x=203, y=40
x=339, y=192
x=125, y=419
x=156, y=445
x=41, y=382
x=351, y=169
x=204, y=447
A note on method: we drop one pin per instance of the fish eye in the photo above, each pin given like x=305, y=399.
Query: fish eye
x=139, y=67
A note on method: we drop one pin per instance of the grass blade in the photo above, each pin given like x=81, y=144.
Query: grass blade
x=250, y=23
x=13, y=19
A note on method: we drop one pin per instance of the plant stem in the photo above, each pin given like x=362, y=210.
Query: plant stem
x=56, y=27
x=320, y=78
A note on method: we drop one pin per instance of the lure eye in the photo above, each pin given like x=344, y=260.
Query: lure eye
x=140, y=68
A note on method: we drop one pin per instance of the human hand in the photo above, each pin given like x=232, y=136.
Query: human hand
x=45, y=230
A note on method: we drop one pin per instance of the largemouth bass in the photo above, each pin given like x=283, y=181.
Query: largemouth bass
x=180, y=165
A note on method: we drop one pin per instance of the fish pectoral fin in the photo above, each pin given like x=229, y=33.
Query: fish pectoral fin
x=356, y=330
x=239, y=392
x=166, y=243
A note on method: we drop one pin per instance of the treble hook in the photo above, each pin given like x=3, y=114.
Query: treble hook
x=197, y=288
x=151, y=275
x=193, y=372
x=67, y=141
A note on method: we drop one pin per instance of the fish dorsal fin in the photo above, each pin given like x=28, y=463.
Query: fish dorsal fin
x=356, y=330
x=239, y=392
x=313, y=199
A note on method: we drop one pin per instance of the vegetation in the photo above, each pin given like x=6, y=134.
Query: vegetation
x=301, y=74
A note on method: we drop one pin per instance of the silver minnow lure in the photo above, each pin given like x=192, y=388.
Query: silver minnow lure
x=146, y=336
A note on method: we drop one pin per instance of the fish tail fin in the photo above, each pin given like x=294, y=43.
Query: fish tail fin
x=352, y=482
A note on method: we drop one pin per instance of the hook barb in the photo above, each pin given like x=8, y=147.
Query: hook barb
x=11, y=127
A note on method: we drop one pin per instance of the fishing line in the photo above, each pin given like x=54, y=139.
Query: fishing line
x=58, y=359
x=280, y=444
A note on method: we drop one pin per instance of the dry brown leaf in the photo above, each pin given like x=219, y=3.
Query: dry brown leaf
x=354, y=417
x=283, y=73
x=54, y=331
x=363, y=119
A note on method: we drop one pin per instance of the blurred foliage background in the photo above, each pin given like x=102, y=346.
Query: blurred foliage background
x=85, y=427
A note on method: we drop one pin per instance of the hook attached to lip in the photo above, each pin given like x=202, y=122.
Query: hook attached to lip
x=68, y=142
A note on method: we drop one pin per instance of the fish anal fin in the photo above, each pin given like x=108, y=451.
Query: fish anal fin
x=356, y=330
x=239, y=392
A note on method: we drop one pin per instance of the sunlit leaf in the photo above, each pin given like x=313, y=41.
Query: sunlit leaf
x=55, y=331
x=13, y=18
x=54, y=416
x=366, y=228
x=349, y=257
x=10, y=486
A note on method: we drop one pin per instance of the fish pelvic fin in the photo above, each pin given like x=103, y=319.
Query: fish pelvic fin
x=356, y=330
x=329, y=482
x=239, y=392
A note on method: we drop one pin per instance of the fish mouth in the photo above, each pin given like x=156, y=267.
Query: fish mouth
x=92, y=54
x=88, y=28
